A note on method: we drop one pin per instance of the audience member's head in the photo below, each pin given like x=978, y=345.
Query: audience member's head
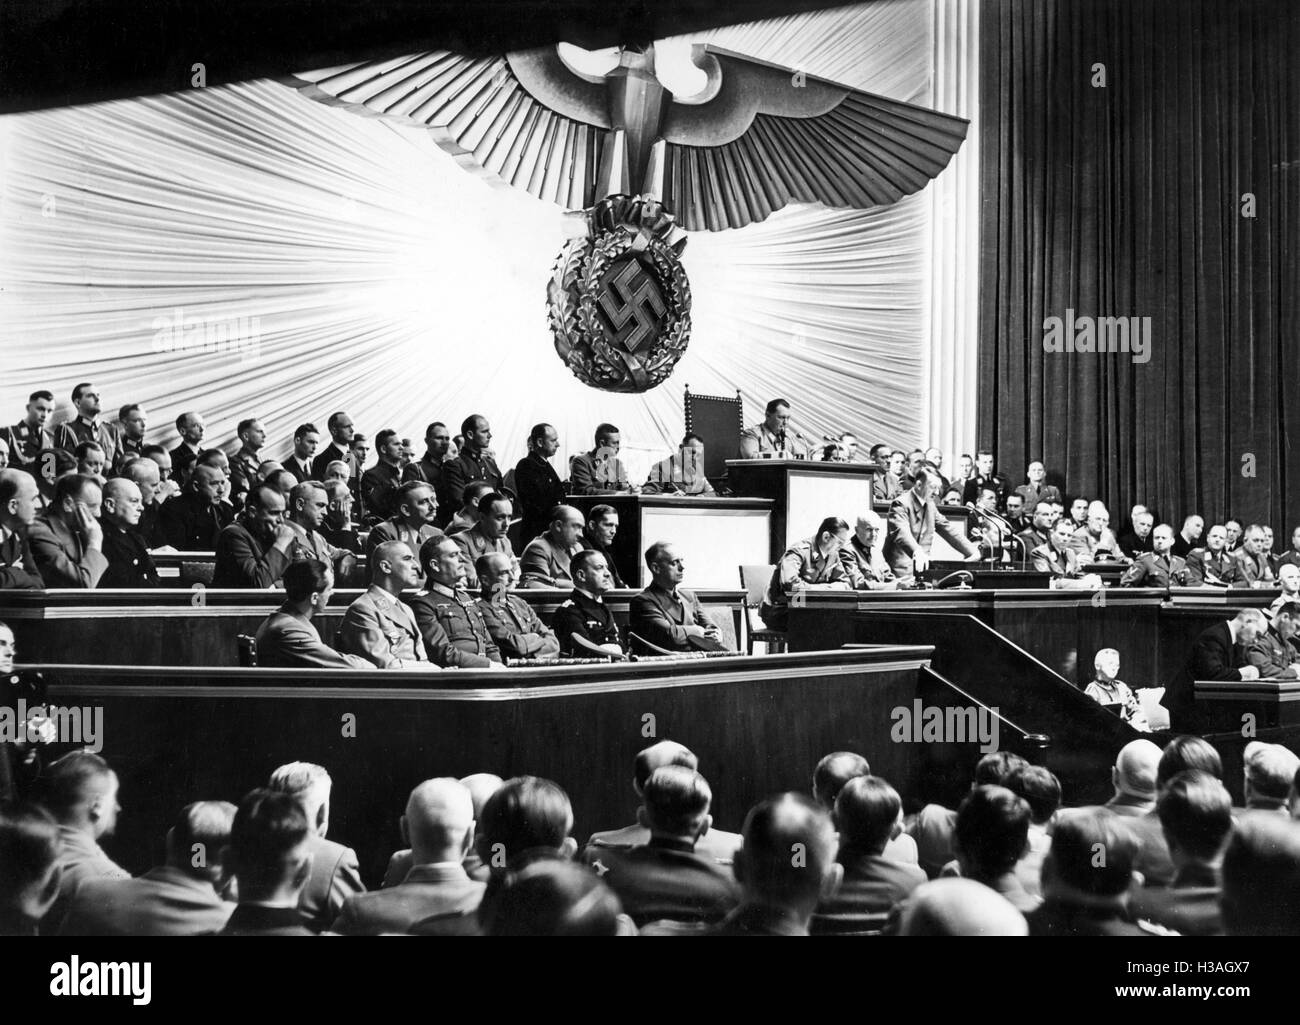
x=494, y=514
x=415, y=503
x=548, y=896
x=145, y=475
x=1091, y=860
x=81, y=793
x=994, y=768
x=310, y=786
x=441, y=561
x=590, y=572
x=439, y=821
x=481, y=786
x=656, y=756
x=992, y=832
x=308, y=504
x=1187, y=752
x=1039, y=787
x=675, y=803
x=1195, y=813
x=524, y=814
x=30, y=873
x=1134, y=772
x=1269, y=772
x=868, y=814
x=18, y=495
x=565, y=526
x=270, y=847
x=787, y=860
x=197, y=843
x=959, y=907
x=308, y=583
x=123, y=504
x=496, y=573
x=833, y=771
x=92, y=460
x=72, y=492
x=1261, y=877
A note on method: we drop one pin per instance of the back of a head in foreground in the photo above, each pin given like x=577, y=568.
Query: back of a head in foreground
x=833, y=771
x=73, y=782
x=1135, y=769
x=992, y=831
x=866, y=811
x=676, y=800
x=525, y=814
x=656, y=756
x=1093, y=852
x=789, y=846
x=1195, y=810
x=959, y=907
x=267, y=840
x=1188, y=752
x=1261, y=877
x=29, y=854
x=1039, y=787
x=994, y=768
x=552, y=897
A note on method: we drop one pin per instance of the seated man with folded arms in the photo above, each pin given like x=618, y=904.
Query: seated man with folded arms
x=287, y=638
x=412, y=524
x=546, y=558
x=439, y=825
x=178, y=898
x=991, y=840
x=514, y=627
x=127, y=551
x=667, y=615
x=489, y=534
x=18, y=496
x=254, y=550
x=717, y=844
x=835, y=770
x=823, y=560
x=1113, y=693
x=450, y=620
x=666, y=878
x=1195, y=812
x=1159, y=567
x=66, y=540
x=378, y=626
x=1059, y=560
x=271, y=859
x=1213, y=565
x=681, y=473
x=585, y=613
x=867, y=813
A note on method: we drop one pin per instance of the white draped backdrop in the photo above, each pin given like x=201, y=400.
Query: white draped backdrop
x=331, y=261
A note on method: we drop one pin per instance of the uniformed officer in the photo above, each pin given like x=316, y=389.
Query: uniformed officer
x=585, y=614
x=1272, y=651
x=244, y=465
x=487, y=535
x=821, y=561
x=30, y=435
x=774, y=438
x=1159, y=567
x=474, y=461
x=517, y=630
x=449, y=618
x=308, y=506
x=20, y=764
x=1212, y=564
x=413, y=523
x=377, y=626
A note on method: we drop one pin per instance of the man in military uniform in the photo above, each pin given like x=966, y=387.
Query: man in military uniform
x=1252, y=560
x=865, y=548
x=377, y=626
x=86, y=425
x=985, y=477
x=1272, y=651
x=1212, y=564
x=1040, y=529
x=1159, y=567
x=773, y=438
x=27, y=437
x=244, y=465
x=431, y=468
x=600, y=471
x=585, y=614
x=413, y=521
x=474, y=461
x=547, y=559
x=129, y=561
x=682, y=473
x=1036, y=490
x=538, y=485
x=667, y=615
x=449, y=618
x=511, y=622
x=488, y=535
x=308, y=505
x=192, y=521
x=20, y=764
x=823, y=560
x=382, y=482
x=1059, y=560
x=254, y=550
x=132, y=423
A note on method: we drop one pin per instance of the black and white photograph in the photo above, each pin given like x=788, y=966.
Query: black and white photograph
x=633, y=468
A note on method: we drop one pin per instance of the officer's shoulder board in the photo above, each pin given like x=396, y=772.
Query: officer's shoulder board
x=566, y=604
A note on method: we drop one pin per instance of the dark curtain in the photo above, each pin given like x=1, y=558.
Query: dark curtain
x=1126, y=200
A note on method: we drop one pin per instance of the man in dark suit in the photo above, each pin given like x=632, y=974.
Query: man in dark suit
x=127, y=552
x=338, y=450
x=474, y=461
x=586, y=614
x=665, y=879
x=1189, y=536
x=913, y=521
x=1213, y=657
x=18, y=495
x=992, y=844
x=431, y=468
x=538, y=485
x=337, y=528
x=193, y=520
x=1059, y=559
x=667, y=615
x=1137, y=539
x=439, y=825
x=191, y=428
x=270, y=856
x=305, y=440
x=67, y=541
x=178, y=898
x=1159, y=567
x=1182, y=753
x=1195, y=812
x=287, y=637
x=1261, y=877
x=334, y=875
x=868, y=814
x=254, y=550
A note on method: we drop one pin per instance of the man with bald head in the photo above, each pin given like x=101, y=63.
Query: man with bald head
x=867, y=547
x=66, y=539
x=1159, y=567
x=1253, y=564
x=194, y=519
x=716, y=843
x=254, y=551
x=1288, y=578
x=439, y=825
x=191, y=428
x=1134, y=778
x=18, y=496
x=378, y=626
x=1213, y=565
x=144, y=473
x=481, y=786
x=127, y=552
x=513, y=625
x=545, y=559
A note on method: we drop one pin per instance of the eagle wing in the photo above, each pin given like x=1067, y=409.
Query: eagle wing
x=547, y=142
x=760, y=136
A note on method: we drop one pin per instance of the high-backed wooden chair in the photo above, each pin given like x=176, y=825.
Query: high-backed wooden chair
x=247, y=650
x=754, y=581
x=719, y=421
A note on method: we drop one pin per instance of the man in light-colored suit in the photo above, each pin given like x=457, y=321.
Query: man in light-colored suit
x=1059, y=559
x=178, y=898
x=287, y=637
x=67, y=541
x=439, y=825
x=335, y=875
x=914, y=519
x=666, y=614
x=377, y=626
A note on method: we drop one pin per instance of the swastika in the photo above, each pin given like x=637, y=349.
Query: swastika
x=625, y=299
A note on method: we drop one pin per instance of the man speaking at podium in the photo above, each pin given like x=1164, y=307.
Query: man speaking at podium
x=774, y=438
x=913, y=521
